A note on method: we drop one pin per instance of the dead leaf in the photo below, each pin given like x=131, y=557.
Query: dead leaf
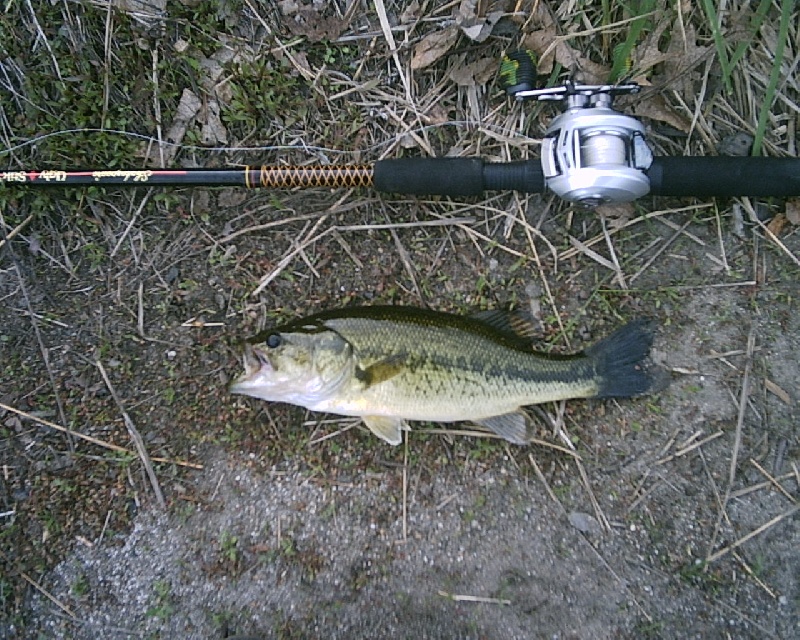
x=475, y=73
x=617, y=214
x=550, y=50
x=793, y=211
x=433, y=46
x=411, y=13
x=656, y=108
x=480, y=29
x=774, y=388
x=213, y=131
x=289, y=7
x=777, y=224
x=311, y=20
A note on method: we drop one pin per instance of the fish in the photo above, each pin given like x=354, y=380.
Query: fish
x=389, y=365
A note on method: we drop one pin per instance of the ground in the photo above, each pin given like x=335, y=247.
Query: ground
x=138, y=498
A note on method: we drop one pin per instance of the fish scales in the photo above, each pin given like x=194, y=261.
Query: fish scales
x=461, y=372
x=392, y=364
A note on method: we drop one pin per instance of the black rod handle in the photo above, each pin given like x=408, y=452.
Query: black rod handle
x=456, y=177
x=708, y=176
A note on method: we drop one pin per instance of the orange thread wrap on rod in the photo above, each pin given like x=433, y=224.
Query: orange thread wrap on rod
x=278, y=177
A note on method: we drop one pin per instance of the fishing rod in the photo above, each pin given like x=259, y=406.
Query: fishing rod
x=591, y=154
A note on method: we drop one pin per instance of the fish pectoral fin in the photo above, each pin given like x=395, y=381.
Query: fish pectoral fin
x=380, y=371
x=515, y=427
x=386, y=428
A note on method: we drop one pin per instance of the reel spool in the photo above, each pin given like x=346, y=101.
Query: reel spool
x=591, y=153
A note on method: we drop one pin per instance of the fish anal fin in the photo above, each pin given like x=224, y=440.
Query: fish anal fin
x=380, y=371
x=516, y=427
x=387, y=428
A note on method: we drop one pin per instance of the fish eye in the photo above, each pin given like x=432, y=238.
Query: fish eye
x=274, y=340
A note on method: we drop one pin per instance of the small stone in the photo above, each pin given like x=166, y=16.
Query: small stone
x=584, y=522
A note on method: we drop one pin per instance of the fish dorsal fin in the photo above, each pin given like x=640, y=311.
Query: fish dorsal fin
x=516, y=427
x=380, y=371
x=386, y=428
x=511, y=323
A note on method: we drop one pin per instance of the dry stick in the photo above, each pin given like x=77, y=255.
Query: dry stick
x=660, y=250
x=406, y=260
x=39, y=339
x=767, y=232
x=595, y=504
x=690, y=447
x=530, y=231
x=47, y=594
x=383, y=18
x=569, y=253
x=268, y=225
x=131, y=222
x=610, y=569
x=83, y=436
x=786, y=514
x=613, y=254
x=773, y=480
x=310, y=238
x=591, y=253
x=755, y=578
x=494, y=436
x=10, y=235
x=40, y=588
x=444, y=222
x=135, y=436
x=405, y=487
x=761, y=485
x=467, y=598
x=737, y=441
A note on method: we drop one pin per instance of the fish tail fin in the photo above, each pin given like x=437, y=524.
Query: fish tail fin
x=622, y=361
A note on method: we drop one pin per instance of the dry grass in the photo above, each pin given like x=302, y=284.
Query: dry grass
x=142, y=274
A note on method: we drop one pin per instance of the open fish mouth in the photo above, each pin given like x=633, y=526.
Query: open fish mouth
x=255, y=362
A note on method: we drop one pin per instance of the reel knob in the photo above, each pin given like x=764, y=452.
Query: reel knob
x=518, y=72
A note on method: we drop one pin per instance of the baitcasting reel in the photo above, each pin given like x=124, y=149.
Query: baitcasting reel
x=591, y=153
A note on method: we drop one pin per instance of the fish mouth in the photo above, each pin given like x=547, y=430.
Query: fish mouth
x=255, y=361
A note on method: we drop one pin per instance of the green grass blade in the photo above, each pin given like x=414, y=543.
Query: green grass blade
x=719, y=41
x=787, y=8
x=622, y=52
x=755, y=25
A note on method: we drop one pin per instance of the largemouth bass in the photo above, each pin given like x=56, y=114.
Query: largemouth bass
x=388, y=365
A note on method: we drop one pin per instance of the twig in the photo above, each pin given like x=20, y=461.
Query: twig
x=761, y=485
x=465, y=598
x=773, y=481
x=311, y=237
x=786, y=514
x=583, y=537
x=39, y=339
x=136, y=437
x=595, y=505
x=405, y=487
x=752, y=574
x=690, y=447
x=83, y=436
x=613, y=254
x=661, y=250
x=10, y=235
x=40, y=588
x=737, y=440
